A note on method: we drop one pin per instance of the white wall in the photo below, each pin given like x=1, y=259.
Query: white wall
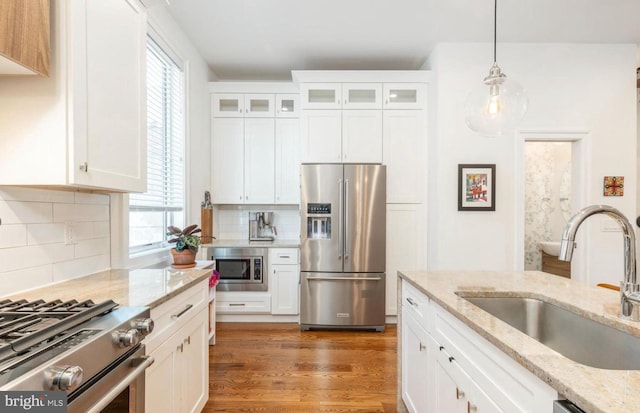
x=232, y=221
x=571, y=87
x=33, y=252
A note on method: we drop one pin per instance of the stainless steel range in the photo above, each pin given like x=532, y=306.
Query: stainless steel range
x=91, y=351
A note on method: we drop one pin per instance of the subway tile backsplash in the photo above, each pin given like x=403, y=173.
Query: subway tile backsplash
x=231, y=222
x=32, y=236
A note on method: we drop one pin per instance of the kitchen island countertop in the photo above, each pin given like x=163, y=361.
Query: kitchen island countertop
x=128, y=288
x=592, y=389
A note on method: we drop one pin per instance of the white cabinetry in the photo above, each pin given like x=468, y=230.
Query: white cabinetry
x=255, y=157
x=404, y=141
x=466, y=373
x=333, y=135
x=178, y=380
x=284, y=281
x=87, y=127
x=404, y=95
x=238, y=105
x=287, y=164
x=404, y=246
x=415, y=362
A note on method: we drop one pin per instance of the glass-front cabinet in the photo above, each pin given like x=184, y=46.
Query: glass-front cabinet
x=238, y=105
x=287, y=105
x=404, y=95
x=362, y=95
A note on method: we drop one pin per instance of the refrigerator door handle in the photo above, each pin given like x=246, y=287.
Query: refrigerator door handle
x=344, y=278
x=340, y=229
x=346, y=219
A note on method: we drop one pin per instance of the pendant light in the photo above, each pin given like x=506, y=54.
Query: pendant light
x=496, y=107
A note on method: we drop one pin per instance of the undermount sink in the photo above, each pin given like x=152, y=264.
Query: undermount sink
x=550, y=247
x=574, y=336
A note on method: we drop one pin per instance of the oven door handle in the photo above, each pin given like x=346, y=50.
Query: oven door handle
x=145, y=361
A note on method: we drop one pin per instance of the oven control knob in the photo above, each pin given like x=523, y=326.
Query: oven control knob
x=128, y=338
x=144, y=326
x=64, y=377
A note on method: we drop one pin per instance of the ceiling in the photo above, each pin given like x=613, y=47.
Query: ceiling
x=266, y=39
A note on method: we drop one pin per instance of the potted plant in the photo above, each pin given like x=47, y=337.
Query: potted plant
x=187, y=242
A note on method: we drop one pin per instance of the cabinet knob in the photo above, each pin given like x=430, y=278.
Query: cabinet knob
x=451, y=359
x=422, y=346
x=84, y=167
x=471, y=407
x=459, y=394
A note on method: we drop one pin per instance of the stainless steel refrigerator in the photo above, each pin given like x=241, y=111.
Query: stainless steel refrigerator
x=342, y=246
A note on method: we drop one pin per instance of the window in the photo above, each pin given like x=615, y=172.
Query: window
x=163, y=203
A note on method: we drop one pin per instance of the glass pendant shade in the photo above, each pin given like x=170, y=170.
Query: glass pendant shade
x=496, y=106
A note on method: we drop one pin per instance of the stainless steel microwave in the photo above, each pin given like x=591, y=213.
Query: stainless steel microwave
x=241, y=269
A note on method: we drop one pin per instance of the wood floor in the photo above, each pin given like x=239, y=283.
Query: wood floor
x=269, y=368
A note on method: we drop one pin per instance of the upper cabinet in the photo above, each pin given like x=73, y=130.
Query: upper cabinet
x=239, y=105
x=341, y=95
x=24, y=38
x=86, y=124
x=254, y=132
x=404, y=95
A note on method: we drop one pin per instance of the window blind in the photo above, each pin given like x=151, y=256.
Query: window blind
x=151, y=212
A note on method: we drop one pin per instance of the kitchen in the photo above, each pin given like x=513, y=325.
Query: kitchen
x=567, y=97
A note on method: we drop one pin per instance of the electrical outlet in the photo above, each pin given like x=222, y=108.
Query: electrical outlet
x=69, y=233
x=610, y=225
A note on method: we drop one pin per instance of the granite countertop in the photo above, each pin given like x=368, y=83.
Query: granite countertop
x=128, y=288
x=592, y=389
x=239, y=243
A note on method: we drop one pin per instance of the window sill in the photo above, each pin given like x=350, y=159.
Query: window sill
x=148, y=258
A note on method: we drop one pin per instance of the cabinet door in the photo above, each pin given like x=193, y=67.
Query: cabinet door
x=109, y=146
x=405, y=242
x=362, y=136
x=259, y=105
x=447, y=396
x=362, y=96
x=287, y=161
x=404, y=95
x=227, y=105
x=321, y=95
x=162, y=379
x=259, y=160
x=194, y=364
x=228, y=160
x=415, y=365
x=285, y=289
x=321, y=139
x=405, y=136
x=287, y=105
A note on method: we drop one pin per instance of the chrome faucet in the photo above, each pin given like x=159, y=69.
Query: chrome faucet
x=629, y=288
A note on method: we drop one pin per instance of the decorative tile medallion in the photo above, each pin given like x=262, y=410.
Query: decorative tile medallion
x=613, y=186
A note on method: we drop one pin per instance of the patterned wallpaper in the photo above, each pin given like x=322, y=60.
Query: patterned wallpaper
x=547, y=196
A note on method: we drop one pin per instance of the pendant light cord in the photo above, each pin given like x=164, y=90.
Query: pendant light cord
x=495, y=28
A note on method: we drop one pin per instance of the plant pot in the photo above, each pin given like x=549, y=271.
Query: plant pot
x=183, y=259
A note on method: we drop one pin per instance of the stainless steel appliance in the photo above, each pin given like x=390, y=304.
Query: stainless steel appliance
x=91, y=351
x=565, y=406
x=342, y=246
x=261, y=226
x=241, y=269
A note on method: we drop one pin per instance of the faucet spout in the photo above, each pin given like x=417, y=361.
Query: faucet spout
x=629, y=285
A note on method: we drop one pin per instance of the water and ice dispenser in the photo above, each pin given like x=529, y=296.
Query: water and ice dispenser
x=319, y=221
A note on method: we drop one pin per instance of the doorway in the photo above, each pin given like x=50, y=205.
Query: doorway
x=547, y=199
x=550, y=189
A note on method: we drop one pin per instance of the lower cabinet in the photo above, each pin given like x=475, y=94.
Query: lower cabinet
x=284, y=281
x=415, y=362
x=448, y=368
x=178, y=380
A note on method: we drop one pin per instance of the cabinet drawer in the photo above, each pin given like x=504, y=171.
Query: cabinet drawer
x=283, y=256
x=250, y=303
x=512, y=387
x=168, y=316
x=416, y=303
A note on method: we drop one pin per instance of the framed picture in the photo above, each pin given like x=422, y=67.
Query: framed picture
x=476, y=187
